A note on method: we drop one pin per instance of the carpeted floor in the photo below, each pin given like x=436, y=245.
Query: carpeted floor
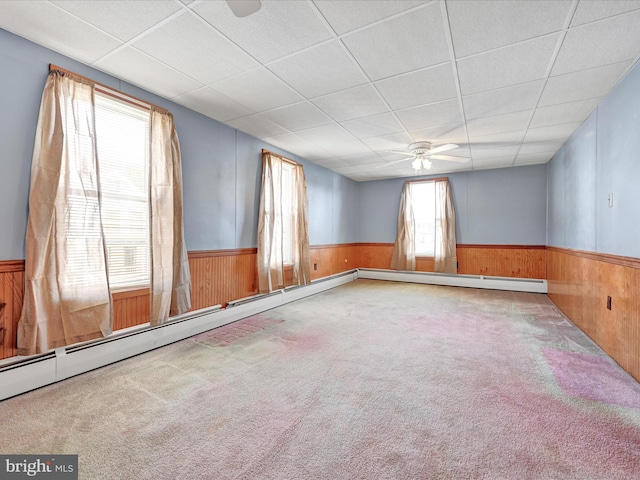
x=371, y=380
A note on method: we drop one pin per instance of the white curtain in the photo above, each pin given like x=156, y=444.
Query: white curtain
x=445, y=258
x=170, y=276
x=67, y=297
x=404, y=256
x=272, y=228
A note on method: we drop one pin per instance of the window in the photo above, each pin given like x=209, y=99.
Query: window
x=423, y=202
x=122, y=133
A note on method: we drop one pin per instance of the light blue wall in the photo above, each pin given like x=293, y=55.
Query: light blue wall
x=221, y=166
x=501, y=206
x=601, y=157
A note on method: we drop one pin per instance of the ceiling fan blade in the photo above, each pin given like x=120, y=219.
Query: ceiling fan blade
x=444, y=148
x=449, y=158
x=401, y=153
x=391, y=163
x=244, y=8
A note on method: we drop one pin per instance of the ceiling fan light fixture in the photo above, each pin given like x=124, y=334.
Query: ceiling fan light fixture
x=416, y=164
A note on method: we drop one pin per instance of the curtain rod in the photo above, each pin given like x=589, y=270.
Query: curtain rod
x=427, y=180
x=112, y=91
x=264, y=150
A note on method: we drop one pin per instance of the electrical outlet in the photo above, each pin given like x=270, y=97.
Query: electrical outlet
x=608, y=303
x=315, y=266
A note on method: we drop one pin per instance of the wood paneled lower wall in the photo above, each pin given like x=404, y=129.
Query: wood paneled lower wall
x=520, y=261
x=579, y=284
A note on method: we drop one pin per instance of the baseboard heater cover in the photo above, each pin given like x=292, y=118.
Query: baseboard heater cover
x=37, y=371
x=457, y=280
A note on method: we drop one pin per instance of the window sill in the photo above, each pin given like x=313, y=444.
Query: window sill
x=135, y=292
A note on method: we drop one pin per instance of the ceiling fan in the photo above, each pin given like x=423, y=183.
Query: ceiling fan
x=244, y=8
x=423, y=153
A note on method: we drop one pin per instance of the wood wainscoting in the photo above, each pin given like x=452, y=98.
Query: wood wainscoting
x=579, y=283
x=518, y=261
x=331, y=259
x=11, y=293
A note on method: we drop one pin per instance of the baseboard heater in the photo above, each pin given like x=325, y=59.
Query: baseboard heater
x=28, y=373
x=457, y=280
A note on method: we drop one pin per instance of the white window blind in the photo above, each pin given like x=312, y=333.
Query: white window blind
x=122, y=138
x=423, y=201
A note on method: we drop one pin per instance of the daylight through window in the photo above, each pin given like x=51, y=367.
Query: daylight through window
x=423, y=201
x=122, y=132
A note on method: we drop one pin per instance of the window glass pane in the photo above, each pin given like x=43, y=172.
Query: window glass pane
x=122, y=133
x=423, y=201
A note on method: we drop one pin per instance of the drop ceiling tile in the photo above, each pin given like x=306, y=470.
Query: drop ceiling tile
x=518, y=63
x=552, y=132
x=564, y=112
x=346, y=170
x=257, y=126
x=363, y=160
x=452, y=133
x=347, y=15
x=504, y=100
x=212, y=104
x=420, y=87
x=590, y=11
x=512, y=137
x=400, y=44
x=595, y=82
x=141, y=70
x=533, y=158
x=48, y=25
x=276, y=30
x=548, y=146
x=188, y=44
x=122, y=19
x=346, y=147
x=296, y=145
x=326, y=134
x=444, y=166
x=396, y=141
x=493, y=163
x=382, y=124
x=442, y=113
x=508, y=122
x=478, y=26
x=485, y=152
x=298, y=116
x=593, y=45
x=319, y=70
x=258, y=90
x=353, y=103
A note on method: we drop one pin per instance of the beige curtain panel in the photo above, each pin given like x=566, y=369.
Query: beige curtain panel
x=67, y=297
x=273, y=225
x=404, y=256
x=445, y=257
x=170, y=276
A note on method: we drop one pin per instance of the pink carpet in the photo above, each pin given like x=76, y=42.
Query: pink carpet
x=372, y=380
